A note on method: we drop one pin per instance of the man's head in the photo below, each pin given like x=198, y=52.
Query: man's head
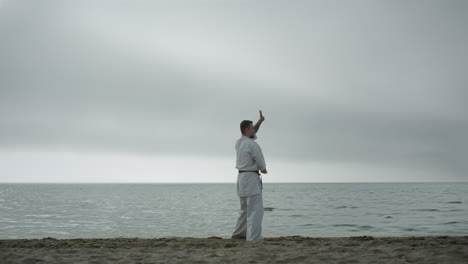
x=247, y=128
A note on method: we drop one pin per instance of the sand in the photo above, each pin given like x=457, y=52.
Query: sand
x=289, y=249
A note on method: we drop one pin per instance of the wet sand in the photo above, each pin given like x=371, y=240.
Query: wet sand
x=289, y=249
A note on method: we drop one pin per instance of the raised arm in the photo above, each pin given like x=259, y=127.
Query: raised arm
x=259, y=122
x=257, y=126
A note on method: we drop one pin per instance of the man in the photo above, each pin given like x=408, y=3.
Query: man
x=249, y=183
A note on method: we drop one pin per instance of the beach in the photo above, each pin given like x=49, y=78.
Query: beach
x=284, y=249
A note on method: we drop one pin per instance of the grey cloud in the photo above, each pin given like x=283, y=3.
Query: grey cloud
x=381, y=83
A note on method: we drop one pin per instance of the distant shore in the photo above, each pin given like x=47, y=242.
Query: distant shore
x=287, y=249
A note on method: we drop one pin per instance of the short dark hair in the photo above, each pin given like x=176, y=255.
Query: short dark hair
x=245, y=124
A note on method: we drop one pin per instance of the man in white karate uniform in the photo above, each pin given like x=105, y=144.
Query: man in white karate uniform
x=249, y=182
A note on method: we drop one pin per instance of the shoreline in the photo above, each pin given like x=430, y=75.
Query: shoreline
x=283, y=249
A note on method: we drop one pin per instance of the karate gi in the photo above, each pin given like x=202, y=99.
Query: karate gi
x=249, y=189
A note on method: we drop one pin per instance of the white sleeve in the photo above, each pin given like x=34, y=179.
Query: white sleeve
x=257, y=155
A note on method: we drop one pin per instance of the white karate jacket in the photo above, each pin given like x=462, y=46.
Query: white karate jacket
x=249, y=157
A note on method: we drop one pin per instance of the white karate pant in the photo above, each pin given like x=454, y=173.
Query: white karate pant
x=249, y=223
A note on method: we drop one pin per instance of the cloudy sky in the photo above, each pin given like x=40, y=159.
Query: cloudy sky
x=154, y=91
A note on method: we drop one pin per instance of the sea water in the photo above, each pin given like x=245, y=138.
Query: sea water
x=148, y=210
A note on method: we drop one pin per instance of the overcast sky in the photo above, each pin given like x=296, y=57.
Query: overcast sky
x=154, y=91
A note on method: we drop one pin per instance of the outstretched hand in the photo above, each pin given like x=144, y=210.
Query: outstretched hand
x=262, y=118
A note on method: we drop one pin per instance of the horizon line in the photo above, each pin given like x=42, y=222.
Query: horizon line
x=215, y=182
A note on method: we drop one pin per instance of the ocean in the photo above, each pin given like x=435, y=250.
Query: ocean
x=151, y=210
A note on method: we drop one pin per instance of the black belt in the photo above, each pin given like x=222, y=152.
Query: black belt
x=249, y=171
